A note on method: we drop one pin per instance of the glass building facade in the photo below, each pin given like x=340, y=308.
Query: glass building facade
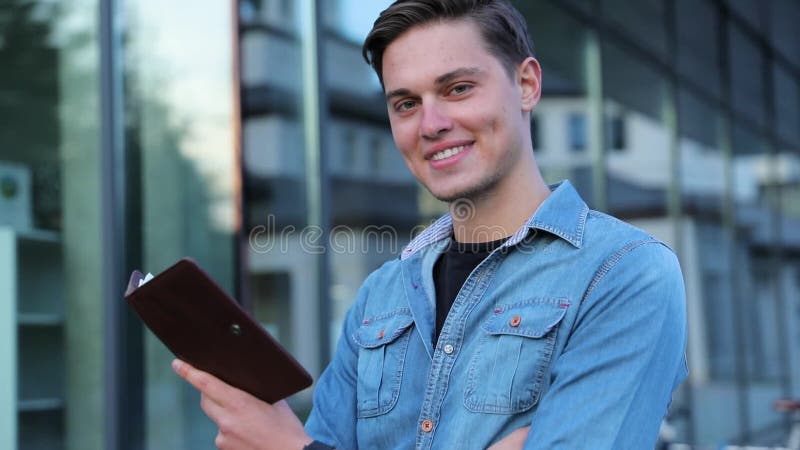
x=251, y=136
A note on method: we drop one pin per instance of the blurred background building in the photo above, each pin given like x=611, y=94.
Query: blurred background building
x=250, y=136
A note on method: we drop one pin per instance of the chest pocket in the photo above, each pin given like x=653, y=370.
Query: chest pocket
x=382, y=341
x=506, y=372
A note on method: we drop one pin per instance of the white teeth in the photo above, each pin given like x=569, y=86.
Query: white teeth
x=447, y=153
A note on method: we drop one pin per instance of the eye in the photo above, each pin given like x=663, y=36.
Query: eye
x=460, y=89
x=405, y=105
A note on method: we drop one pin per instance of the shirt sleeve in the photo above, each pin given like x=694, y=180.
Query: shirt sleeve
x=611, y=386
x=333, y=417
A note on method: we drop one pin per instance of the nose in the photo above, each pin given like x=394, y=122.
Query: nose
x=434, y=121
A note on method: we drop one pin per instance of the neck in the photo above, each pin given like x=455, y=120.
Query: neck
x=500, y=213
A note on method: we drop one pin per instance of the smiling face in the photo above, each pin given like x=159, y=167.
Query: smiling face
x=458, y=118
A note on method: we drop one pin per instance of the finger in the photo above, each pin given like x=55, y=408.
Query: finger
x=213, y=409
x=220, y=442
x=202, y=381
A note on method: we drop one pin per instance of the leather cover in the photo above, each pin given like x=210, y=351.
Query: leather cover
x=203, y=326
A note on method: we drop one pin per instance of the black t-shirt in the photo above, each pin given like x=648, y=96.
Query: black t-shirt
x=451, y=271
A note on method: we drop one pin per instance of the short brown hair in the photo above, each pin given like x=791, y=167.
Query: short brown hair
x=502, y=27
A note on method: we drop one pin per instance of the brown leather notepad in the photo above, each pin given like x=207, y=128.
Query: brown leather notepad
x=203, y=326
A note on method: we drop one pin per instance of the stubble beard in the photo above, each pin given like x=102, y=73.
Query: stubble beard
x=474, y=194
x=483, y=188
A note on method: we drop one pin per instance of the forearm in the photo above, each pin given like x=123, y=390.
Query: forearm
x=613, y=382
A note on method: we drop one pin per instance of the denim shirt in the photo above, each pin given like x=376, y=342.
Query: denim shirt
x=576, y=326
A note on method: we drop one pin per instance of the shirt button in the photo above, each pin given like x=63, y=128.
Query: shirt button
x=427, y=425
x=448, y=348
x=514, y=322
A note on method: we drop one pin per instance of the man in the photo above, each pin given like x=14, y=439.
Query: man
x=520, y=319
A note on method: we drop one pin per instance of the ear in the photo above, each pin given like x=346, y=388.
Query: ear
x=529, y=77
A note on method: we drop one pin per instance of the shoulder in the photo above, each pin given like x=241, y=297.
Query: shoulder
x=613, y=238
x=381, y=288
x=602, y=228
x=630, y=256
x=389, y=272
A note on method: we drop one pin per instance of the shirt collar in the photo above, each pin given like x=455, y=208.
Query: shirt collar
x=563, y=214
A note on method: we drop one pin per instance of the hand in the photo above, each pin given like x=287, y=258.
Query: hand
x=245, y=422
x=513, y=441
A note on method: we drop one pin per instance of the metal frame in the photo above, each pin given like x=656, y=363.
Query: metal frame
x=730, y=214
x=110, y=179
x=9, y=382
x=776, y=252
x=315, y=119
x=123, y=353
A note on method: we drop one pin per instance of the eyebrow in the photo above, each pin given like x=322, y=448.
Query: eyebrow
x=450, y=76
x=440, y=80
x=402, y=92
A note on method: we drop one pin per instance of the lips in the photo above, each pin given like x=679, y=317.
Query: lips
x=444, y=150
x=446, y=155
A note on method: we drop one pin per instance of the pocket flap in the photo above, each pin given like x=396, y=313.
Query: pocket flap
x=383, y=329
x=532, y=318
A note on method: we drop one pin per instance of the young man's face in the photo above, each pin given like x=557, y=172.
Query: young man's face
x=457, y=117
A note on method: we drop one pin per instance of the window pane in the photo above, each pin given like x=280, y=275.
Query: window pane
x=563, y=117
x=180, y=133
x=756, y=203
x=785, y=15
x=281, y=272
x=638, y=177
x=352, y=19
x=697, y=23
x=750, y=11
x=643, y=21
x=584, y=5
x=790, y=273
x=747, y=81
x=576, y=132
x=375, y=201
x=616, y=132
x=787, y=106
x=51, y=273
x=707, y=255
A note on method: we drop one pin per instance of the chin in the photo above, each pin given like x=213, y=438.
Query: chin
x=448, y=195
x=471, y=193
x=448, y=198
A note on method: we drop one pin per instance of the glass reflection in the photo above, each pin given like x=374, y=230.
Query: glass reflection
x=787, y=105
x=51, y=373
x=697, y=27
x=564, y=121
x=756, y=282
x=180, y=123
x=706, y=256
x=638, y=175
x=643, y=21
x=372, y=191
x=747, y=86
